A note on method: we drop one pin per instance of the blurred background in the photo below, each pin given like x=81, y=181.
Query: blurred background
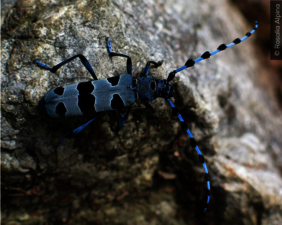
x=260, y=10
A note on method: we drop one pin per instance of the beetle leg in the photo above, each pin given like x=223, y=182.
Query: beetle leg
x=128, y=62
x=84, y=61
x=195, y=146
x=147, y=67
x=122, y=122
x=76, y=131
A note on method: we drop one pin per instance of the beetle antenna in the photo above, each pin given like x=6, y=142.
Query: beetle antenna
x=194, y=144
x=207, y=54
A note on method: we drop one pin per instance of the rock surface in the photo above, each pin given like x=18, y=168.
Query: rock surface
x=148, y=173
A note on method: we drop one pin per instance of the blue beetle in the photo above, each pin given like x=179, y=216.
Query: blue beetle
x=113, y=93
x=119, y=92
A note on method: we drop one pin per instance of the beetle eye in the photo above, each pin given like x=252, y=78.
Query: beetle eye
x=153, y=86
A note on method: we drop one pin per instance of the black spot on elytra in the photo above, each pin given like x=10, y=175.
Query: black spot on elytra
x=85, y=88
x=153, y=85
x=114, y=80
x=86, y=103
x=117, y=102
x=61, y=109
x=59, y=90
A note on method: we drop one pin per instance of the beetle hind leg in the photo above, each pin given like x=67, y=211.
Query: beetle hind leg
x=123, y=121
x=76, y=131
x=53, y=69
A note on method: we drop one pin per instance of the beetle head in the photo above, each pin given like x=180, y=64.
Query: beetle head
x=164, y=89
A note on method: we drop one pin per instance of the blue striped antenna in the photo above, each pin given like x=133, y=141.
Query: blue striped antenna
x=190, y=63
x=194, y=145
x=207, y=54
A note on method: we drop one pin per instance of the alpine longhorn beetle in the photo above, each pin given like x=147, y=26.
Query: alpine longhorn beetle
x=120, y=92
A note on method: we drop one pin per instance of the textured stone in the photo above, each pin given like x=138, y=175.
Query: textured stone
x=148, y=173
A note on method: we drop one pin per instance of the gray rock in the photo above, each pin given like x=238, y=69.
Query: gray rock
x=148, y=173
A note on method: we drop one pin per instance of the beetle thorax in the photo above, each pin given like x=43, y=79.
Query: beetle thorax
x=146, y=89
x=149, y=89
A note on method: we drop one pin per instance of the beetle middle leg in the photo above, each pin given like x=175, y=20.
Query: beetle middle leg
x=123, y=121
x=77, y=130
x=128, y=62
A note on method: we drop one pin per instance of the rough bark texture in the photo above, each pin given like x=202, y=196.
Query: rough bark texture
x=148, y=173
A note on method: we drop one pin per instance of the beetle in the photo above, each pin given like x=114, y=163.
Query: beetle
x=120, y=92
